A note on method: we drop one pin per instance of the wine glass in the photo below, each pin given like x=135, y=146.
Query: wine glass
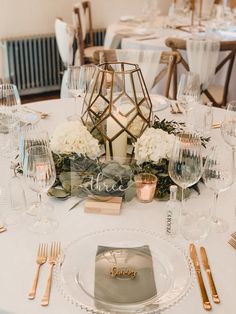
x=78, y=80
x=40, y=174
x=188, y=92
x=185, y=169
x=9, y=119
x=228, y=127
x=218, y=176
x=31, y=135
x=9, y=116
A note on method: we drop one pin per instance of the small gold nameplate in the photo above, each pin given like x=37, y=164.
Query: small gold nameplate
x=122, y=272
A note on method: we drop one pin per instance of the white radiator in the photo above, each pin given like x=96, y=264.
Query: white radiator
x=34, y=63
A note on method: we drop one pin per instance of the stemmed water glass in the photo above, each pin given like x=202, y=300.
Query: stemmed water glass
x=78, y=80
x=31, y=135
x=185, y=169
x=40, y=174
x=188, y=93
x=228, y=127
x=9, y=120
x=9, y=116
x=218, y=176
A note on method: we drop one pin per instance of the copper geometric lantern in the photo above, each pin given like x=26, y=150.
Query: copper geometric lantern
x=117, y=106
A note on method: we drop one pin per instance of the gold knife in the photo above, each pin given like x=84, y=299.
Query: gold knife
x=207, y=268
x=193, y=255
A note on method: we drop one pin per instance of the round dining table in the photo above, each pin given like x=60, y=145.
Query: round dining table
x=130, y=35
x=19, y=245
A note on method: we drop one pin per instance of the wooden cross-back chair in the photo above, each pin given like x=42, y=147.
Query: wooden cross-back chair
x=229, y=47
x=85, y=51
x=169, y=60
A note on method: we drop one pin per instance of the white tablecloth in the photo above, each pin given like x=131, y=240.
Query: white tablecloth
x=19, y=246
x=123, y=34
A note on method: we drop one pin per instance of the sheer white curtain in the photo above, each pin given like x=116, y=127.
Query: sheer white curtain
x=65, y=37
x=207, y=7
x=203, y=56
x=147, y=60
x=4, y=69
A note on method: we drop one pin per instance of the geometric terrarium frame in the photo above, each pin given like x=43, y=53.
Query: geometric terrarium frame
x=117, y=106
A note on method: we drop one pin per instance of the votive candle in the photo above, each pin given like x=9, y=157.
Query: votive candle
x=145, y=187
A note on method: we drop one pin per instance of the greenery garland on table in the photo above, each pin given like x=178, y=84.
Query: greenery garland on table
x=80, y=175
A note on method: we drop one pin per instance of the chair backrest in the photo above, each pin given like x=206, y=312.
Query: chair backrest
x=232, y=3
x=229, y=47
x=83, y=18
x=168, y=59
x=64, y=38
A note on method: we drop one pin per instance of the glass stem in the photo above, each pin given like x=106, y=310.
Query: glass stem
x=182, y=195
x=39, y=197
x=75, y=110
x=233, y=152
x=182, y=198
x=215, y=202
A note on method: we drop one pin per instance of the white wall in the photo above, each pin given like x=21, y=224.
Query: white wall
x=30, y=17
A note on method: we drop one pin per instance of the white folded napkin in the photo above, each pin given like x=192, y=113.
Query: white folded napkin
x=203, y=56
x=113, y=290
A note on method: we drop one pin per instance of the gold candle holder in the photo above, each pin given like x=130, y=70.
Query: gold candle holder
x=117, y=108
x=145, y=187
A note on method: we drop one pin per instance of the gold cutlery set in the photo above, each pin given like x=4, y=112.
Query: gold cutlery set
x=176, y=108
x=43, y=115
x=44, y=255
x=216, y=125
x=205, y=300
x=232, y=240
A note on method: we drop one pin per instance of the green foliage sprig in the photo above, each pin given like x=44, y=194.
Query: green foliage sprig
x=74, y=173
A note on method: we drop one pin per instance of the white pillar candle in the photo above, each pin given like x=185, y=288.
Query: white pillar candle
x=119, y=145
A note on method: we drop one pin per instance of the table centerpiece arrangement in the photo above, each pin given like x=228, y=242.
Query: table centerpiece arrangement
x=115, y=139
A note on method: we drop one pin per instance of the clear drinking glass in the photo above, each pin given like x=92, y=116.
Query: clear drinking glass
x=185, y=168
x=9, y=116
x=78, y=80
x=40, y=174
x=188, y=92
x=31, y=135
x=17, y=199
x=218, y=176
x=228, y=127
x=199, y=119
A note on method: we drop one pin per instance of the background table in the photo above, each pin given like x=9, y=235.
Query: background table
x=116, y=36
x=19, y=246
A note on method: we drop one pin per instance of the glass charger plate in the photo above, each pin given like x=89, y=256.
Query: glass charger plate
x=75, y=274
x=27, y=117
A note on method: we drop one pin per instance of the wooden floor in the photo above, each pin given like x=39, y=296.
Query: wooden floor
x=39, y=97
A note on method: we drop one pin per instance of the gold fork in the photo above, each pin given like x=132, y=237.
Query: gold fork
x=54, y=253
x=40, y=260
x=2, y=228
x=173, y=110
x=232, y=242
x=179, y=108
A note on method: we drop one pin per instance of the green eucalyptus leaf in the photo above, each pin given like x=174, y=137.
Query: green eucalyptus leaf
x=59, y=193
x=130, y=192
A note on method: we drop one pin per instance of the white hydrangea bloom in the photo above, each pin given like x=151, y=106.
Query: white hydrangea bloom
x=153, y=145
x=72, y=136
